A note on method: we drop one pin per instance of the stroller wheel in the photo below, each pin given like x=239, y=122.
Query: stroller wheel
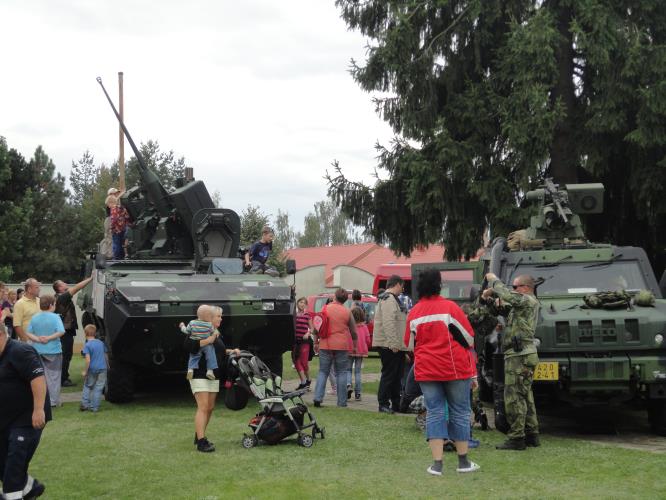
x=305, y=440
x=249, y=441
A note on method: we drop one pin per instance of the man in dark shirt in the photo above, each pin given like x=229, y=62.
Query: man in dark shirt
x=65, y=308
x=24, y=411
x=259, y=252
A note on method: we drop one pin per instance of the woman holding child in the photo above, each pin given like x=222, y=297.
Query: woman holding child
x=204, y=389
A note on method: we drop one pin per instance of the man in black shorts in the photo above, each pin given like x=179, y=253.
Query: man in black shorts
x=24, y=411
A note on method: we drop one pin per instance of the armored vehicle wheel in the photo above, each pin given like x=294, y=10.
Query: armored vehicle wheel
x=120, y=382
x=305, y=440
x=657, y=417
x=249, y=441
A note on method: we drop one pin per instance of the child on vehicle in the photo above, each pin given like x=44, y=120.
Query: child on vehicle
x=356, y=357
x=94, y=374
x=199, y=329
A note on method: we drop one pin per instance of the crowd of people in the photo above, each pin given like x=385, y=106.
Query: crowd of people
x=428, y=349
x=429, y=345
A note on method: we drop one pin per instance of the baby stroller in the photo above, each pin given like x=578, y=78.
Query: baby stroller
x=283, y=413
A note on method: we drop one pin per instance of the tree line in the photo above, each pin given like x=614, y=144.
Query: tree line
x=46, y=228
x=488, y=98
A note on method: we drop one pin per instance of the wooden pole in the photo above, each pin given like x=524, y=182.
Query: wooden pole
x=121, y=143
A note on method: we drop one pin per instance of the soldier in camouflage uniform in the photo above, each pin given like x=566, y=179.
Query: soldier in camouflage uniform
x=520, y=359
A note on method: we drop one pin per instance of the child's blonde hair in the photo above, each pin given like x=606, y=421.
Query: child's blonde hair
x=90, y=330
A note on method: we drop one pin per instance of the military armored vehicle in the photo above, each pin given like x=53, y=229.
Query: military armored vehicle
x=591, y=353
x=182, y=252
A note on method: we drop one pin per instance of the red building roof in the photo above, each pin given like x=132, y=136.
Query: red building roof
x=365, y=256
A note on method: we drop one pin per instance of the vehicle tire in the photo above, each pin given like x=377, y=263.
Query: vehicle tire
x=249, y=441
x=657, y=417
x=119, y=382
x=305, y=440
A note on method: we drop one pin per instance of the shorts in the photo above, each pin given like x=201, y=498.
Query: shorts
x=204, y=385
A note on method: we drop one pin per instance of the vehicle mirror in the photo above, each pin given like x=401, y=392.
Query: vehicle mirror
x=291, y=266
x=100, y=261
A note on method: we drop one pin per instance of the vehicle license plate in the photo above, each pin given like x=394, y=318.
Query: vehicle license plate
x=547, y=371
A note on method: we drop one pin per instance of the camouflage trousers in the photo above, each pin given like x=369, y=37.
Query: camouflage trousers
x=518, y=397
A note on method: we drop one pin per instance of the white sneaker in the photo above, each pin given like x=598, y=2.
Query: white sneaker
x=434, y=472
x=472, y=467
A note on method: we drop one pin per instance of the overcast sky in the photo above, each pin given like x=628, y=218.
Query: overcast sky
x=255, y=94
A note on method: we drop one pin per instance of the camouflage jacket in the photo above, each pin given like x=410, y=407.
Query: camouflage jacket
x=522, y=319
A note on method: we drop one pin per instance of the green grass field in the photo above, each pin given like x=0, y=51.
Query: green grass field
x=144, y=450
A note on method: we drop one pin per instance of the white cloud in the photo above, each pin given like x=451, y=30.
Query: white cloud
x=255, y=94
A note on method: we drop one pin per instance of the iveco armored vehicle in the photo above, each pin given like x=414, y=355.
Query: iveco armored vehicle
x=595, y=348
x=182, y=252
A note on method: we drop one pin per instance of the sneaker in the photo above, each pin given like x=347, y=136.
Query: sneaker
x=357, y=396
x=385, y=409
x=470, y=468
x=83, y=408
x=317, y=403
x=302, y=385
x=204, y=446
x=37, y=490
x=190, y=374
x=434, y=472
x=307, y=384
x=210, y=375
x=349, y=391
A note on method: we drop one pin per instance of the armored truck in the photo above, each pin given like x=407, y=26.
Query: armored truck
x=182, y=252
x=592, y=352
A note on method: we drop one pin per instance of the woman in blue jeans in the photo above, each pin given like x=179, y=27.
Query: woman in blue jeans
x=334, y=348
x=444, y=367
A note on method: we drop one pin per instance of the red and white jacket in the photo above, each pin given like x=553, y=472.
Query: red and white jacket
x=443, y=341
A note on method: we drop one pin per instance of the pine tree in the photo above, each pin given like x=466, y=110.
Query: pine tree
x=488, y=97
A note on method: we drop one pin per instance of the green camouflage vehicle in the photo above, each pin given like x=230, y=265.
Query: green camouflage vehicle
x=182, y=252
x=595, y=348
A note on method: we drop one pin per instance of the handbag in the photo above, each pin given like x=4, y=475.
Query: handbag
x=321, y=324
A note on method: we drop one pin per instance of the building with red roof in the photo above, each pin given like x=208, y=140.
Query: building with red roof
x=350, y=266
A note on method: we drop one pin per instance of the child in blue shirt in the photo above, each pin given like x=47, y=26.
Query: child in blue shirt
x=95, y=371
x=199, y=329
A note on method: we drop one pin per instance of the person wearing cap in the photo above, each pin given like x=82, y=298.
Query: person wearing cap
x=106, y=245
x=26, y=307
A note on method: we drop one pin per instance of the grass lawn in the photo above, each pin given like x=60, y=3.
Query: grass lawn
x=144, y=450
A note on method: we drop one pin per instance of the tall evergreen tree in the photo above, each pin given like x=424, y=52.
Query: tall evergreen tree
x=488, y=97
x=165, y=164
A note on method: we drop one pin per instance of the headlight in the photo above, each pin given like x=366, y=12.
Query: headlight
x=659, y=339
x=152, y=308
x=268, y=306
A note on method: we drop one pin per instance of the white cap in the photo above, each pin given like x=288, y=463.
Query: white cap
x=112, y=191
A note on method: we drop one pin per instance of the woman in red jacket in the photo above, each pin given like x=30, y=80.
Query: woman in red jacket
x=444, y=367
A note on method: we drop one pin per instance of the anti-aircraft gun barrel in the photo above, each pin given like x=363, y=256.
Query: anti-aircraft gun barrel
x=156, y=192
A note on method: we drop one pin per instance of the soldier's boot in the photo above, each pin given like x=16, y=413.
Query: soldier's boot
x=512, y=444
x=532, y=440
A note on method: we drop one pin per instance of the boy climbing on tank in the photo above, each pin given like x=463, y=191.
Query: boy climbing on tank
x=199, y=329
x=259, y=252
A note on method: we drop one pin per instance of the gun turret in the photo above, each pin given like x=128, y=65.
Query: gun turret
x=557, y=222
x=183, y=224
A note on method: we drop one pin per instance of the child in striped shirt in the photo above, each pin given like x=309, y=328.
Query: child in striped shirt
x=199, y=329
